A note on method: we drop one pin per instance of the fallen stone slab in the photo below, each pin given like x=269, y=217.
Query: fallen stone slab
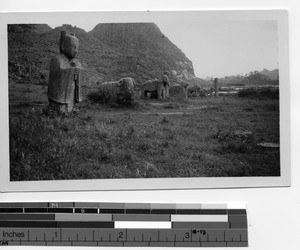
x=269, y=145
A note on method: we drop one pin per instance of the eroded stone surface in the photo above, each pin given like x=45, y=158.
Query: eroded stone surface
x=121, y=92
x=65, y=77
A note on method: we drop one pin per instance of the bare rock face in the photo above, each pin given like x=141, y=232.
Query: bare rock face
x=109, y=52
x=65, y=77
x=186, y=70
x=145, y=51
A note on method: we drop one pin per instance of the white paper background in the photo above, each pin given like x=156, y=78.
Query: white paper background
x=273, y=213
x=150, y=183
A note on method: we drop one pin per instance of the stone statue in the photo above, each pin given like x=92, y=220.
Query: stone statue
x=120, y=92
x=158, y=87
x=166, y=84
x=65, y=77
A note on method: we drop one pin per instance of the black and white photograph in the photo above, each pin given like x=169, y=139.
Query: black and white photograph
x=190, y=96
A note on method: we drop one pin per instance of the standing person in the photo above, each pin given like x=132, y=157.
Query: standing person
x=65, y=77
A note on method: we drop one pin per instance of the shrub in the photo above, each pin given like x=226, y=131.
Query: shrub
x=94, y=97
x=126, y=98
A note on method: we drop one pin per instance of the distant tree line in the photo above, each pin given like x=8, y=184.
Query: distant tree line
x=252, y=78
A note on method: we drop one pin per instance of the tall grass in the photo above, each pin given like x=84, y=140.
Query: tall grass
x=106, y=142
x=260, y=93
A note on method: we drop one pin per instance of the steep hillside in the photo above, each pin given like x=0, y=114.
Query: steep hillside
x=36, y=28
x=108, y=52
x=146, y=51
x=30, y=52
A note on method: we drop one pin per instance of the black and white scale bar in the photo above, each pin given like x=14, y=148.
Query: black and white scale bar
x=121, y=211
x=123, y=224
x=86, y=237
x=126, y=243
x=130, y=208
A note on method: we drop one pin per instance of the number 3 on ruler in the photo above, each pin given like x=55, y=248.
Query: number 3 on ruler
x=187, y=235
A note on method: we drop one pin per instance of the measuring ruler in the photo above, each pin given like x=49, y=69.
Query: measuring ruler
x=123, y=224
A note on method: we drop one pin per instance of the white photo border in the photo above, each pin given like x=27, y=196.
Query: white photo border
x=154, y=183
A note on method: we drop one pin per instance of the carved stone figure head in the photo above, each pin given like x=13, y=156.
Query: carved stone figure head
x=69, y=45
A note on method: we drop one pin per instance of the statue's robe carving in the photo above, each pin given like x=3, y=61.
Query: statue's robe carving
x=64, y=82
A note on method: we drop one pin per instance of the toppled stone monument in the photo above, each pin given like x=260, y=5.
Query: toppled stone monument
x=65, y=77
x=121, y=92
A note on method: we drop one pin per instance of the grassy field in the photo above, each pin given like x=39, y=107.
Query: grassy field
x=193, y=138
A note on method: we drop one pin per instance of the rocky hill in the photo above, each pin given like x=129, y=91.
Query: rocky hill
x=108, y=52
x=145, y=50
x=271, y=74
x=265, y=77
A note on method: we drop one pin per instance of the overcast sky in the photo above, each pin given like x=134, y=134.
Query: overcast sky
x=217, y=48
x=226, y=48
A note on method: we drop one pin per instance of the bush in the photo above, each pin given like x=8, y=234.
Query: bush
x=126, y=98
x=95, y=97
